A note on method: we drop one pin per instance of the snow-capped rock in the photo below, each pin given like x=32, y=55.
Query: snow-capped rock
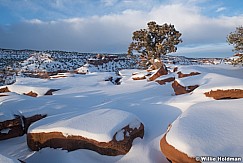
x=206, y=129
x=106, y=131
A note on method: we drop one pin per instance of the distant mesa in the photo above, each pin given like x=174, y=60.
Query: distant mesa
x=95, y=131
x=225, y=94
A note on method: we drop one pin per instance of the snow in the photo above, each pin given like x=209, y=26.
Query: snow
x=209, y=129
x=5, y=159
x=203, y=125
x=120, y=135
x=100, y=125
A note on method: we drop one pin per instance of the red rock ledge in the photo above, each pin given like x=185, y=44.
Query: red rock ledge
x=174, y=155
x=36, y=141
x=179, y=89
x=181, y=75
x=225, y=94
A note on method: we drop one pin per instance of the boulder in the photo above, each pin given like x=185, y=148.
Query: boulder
x=164, y=81
x=11, y=128
x=31, y=93
x=179, y=89
x=175, y=69
x=225, y=94
x=106, y=131
x=29, y=120
x=4, y=90
x=18, y=126
x=161, y=71
x=210, y=128
x=50, y=91
x=181, y=75
x=174, y=155
x=138, y=77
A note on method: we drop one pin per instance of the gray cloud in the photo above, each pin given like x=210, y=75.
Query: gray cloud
x=113, y=32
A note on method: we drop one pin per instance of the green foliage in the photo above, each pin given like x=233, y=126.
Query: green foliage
x=238, y=60
x=155, y=41
x=236, y=39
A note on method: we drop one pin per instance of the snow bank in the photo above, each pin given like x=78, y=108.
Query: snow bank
x=100, y=125
x=209, y=129
x=5, y=159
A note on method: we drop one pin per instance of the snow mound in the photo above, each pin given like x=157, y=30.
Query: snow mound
x=209, y=129
x=5, y=159
x=100, y=125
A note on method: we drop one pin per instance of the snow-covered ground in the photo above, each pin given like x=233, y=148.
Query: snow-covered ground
x=156, y=106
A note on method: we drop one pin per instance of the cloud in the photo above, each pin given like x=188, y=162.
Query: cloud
x=220, y=9
x=113, y=32
x=109, y=2
x=206, y=50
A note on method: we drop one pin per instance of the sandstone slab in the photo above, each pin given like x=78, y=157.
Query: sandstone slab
x=164, y=81
x=18, y=126
x=179, y=89
x=181, y=75
x=161, y=71
x=225, y=94
x=31, y=93
x=106, y=131
x=4, y=90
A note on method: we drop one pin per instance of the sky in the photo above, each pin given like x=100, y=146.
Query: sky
x=106, y=26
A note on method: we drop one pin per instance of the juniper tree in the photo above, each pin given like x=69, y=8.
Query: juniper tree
x=236, y=39
x=154, y=41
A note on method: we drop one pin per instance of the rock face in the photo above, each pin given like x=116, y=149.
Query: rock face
x=225, y=94
x=174, y=155
x=161, y=71
x=175, y=69
x=164, y=81
x=37, y=141
x=17, y=126
x=179, y=89
x=119, y=143
x=50, y=92
x=3, y=90
x=181, y=75
x=29, y=120
x=31, y=93
x=11, y=128
x=138, y=77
